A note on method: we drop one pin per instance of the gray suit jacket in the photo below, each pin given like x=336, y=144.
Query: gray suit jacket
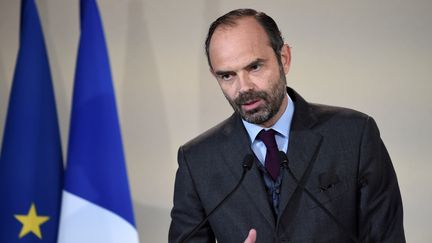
x=338, y=154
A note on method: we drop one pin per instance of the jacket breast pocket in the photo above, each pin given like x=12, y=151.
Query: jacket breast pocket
x=326, y=188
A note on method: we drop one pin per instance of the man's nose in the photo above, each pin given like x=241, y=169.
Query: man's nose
x=245, y=82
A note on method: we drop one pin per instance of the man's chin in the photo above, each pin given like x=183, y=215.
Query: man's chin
x=255, y=117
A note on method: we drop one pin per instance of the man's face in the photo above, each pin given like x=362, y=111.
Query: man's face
x=248, y=71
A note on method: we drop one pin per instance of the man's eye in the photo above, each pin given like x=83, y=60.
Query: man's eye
x=255, y=67
x=226, y=77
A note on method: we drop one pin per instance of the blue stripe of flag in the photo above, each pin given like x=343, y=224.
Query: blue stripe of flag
x=96, y=168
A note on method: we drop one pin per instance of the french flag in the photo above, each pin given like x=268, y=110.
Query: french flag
x=96, y=204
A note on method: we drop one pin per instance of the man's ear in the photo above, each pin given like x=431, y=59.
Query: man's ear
x=286, y=57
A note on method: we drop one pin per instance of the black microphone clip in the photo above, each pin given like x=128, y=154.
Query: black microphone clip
x=248, y=162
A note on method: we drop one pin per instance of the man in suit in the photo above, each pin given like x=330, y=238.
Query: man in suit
x=339, y=184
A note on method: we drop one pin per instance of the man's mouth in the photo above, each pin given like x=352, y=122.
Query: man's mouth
x=251, y=105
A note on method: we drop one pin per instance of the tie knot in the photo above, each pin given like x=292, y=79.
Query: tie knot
x=268, y=138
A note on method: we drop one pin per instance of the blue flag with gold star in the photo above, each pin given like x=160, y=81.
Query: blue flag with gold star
x=31, y=169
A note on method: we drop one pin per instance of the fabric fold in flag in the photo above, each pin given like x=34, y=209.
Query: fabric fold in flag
x=96, y=206
x=31, y=167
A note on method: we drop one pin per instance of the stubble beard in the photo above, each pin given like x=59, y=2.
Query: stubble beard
x=272, y=102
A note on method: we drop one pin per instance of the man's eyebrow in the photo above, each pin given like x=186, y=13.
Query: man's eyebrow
x=254, y=63
x=248, y=66
x=221, y=73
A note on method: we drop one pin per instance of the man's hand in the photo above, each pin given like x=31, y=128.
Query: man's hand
x=251, y=238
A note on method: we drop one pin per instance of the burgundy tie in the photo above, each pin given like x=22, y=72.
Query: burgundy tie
x=271, y=159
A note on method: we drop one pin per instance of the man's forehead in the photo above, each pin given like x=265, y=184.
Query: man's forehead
x=235, y=46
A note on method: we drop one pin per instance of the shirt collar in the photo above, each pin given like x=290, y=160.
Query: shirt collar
x=282, y=126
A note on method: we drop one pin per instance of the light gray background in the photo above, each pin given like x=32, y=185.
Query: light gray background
x=374, y=56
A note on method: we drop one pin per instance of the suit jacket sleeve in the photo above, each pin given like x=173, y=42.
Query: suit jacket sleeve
x=187, y=211
x=380, y=207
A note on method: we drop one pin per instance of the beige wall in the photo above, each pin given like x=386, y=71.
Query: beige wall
x=374, y=56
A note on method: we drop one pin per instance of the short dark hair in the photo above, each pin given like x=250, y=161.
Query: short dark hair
x=229, y=19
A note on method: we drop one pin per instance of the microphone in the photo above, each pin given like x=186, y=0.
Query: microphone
x=284, y=163
x=247, y=165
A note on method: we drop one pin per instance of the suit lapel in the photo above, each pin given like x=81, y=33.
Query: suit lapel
x=236, y=147
x=304, y=143
x=300, y=156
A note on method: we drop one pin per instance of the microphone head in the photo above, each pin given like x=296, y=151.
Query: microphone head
x=283, y=159
x=248, y=161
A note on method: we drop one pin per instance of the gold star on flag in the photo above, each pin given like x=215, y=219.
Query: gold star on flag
x=31, y=222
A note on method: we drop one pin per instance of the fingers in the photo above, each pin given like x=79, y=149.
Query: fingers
x=251, y=238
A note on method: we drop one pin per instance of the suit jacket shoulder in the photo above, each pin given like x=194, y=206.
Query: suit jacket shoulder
x=230, y=126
